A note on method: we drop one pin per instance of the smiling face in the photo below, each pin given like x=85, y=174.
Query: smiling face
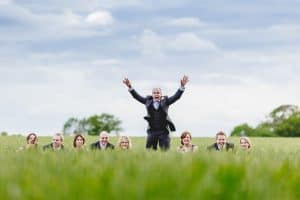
x=104, y=138
x=156, y=94
x=124, y=143
x=244, y=144
x=187, y=140
x=221, y=140
x=57, y=141
x=31, y=139
x=79, y=142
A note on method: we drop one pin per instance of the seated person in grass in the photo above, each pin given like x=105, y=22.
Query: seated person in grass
x=78, y=142
x=31, y=142
x=57, y=143
x=245, y=143
x=124, y=143
x=186, y=143
x=103, y=143
x=221, y=143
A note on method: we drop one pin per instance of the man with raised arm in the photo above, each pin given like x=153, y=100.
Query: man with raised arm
x=157, y=114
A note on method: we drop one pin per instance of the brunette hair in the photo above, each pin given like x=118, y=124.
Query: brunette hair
x=220, y=133
x=30, y=134
x=75, y=138
x=183, y=135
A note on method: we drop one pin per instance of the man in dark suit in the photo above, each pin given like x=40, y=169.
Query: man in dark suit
x=157, y=114
x=57, y=143
x=103, y=143
x=221, y=143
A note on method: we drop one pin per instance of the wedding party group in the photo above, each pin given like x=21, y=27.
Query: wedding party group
x=158, y=132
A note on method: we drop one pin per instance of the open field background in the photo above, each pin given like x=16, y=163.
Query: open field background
x=270, y=171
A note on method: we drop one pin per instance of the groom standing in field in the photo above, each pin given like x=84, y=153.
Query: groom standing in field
x=157, y=114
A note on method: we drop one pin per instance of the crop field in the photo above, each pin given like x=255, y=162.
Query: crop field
x=271, y=170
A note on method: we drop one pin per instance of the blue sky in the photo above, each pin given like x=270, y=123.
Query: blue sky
x=61, y=59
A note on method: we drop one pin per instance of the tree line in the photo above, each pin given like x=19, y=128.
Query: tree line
x=92, y=125
x=283, y=121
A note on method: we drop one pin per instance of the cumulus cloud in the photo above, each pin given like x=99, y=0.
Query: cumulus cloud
x=30, y=25
x=151, y=43
x=191, y=42
x=99, y=18
x=155, y=44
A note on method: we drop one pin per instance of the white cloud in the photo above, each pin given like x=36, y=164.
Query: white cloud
x=99, y=18
x=191, y=42
x=157, y=45
x=151, y=43
x=35, y=26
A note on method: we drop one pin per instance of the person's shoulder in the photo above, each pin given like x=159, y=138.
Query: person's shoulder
x=95, y=144
x=211, y=147
x=164, y=98
x=110, y=145
x=47, y=146
x=194, y=147
x=230, y=145
x=180, y=149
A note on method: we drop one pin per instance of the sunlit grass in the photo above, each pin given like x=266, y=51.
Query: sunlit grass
x=269, y=171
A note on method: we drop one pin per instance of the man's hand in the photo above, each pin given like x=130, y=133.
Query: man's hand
x=184, y=80
x=126, y=81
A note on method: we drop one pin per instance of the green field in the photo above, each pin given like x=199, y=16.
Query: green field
x=270, y=171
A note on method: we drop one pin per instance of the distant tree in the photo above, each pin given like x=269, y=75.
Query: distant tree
x=242, y=130
x=263, y=130
x=279, y=114
x=282, y=121
x=289, y=127
x=92, y=125
x=103, y=122
x=74, y=126
x=4, y=133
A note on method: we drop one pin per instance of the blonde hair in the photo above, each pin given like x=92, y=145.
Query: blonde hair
x=247, y=139
x=124, y=138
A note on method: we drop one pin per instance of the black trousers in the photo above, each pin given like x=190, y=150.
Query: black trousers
x=161, y=138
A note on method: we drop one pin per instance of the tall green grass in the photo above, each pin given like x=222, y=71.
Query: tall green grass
x=270, y=171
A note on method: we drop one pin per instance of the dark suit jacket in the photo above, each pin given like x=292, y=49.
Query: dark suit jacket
x=165, y=102
x=214, y=146
x=97, y=146
x=50, y=147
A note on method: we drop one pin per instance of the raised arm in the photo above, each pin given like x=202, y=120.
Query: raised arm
x=134, y=94
x=180, y=91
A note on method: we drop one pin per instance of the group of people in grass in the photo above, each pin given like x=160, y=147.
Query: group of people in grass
x=159, y=127
x=124, y=143
x=57, y=144
x=221, y=143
